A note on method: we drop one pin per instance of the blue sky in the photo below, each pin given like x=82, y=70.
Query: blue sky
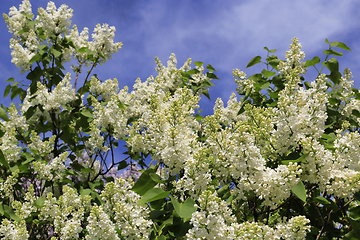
x=223, y=33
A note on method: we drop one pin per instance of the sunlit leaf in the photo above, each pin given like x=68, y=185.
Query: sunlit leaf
x=210, y=68
x=40, y=202
x=153, y=195
x=299, y=191
x=254, y=61
x=267, y=73
x=144, y=183
x=322, y=200
x=185, y=209
x=340, y=45
x=3, y=115
x=333, y=52
x=3, y=160
x=199, y=64
x=312, y=62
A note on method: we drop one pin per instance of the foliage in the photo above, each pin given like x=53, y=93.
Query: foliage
x=281, y=163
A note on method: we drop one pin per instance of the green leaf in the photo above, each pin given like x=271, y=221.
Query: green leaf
x=185, y=209
x=307, y=85
x=30, y=112
x=299, y=191
x=355, y=213
x=22, y=94
x=274, y=95
x=121, y=105
x=82, y=50
x=330, y=136
x=206, y=93
x=356, y=113
x=123, y=164
x=8, y=212
x=334, y=77
x=85, y=192
x=24, y=30
x=265, y=85
x=331, y=112
x=254, y=61
x=274, y=63
x=224, y=189
x=270, y=51
x=3, y=160
x=39, y=202
x=267, y=73
x=87, y=170
x=199, y=64
x=210, y=68
x=156, y=178
x=3, y=115
x=326, y=40
x=144, y=183
x=29, y=157
x=355, y=232
x=357, y=196
x=333, y=52
x=312, y=62
x=10, y=79
x=340, y=45
x=34, y=58
x=231, y=198
x=211, y=75
x=153, y=195
x=334, y=101
x=35, y=76
x=198, y=117
x=300, y=159
x=162, y=237
x=193, y=71
x=87, y=113
x=322, y=200
x=56, y=53
x=332, y=64
x=15, y=92
x=241, y=110
x=101, y=54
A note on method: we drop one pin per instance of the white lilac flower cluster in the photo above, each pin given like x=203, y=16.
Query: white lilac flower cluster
x=8, y=143
x=336, y=172
x=245, y=85
x=7, y=186
x=13, y=230
x=158, y=118
x=131, y=218
x=233, y=152
x=67, y=213
x=214, y=220
x=54, y=100
x=300, y=114
x=16, y=22
x=53, y=170
x=119, y=216
x=113, y=115
x=103, y=41
x=100, y=226
x=54, y=23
